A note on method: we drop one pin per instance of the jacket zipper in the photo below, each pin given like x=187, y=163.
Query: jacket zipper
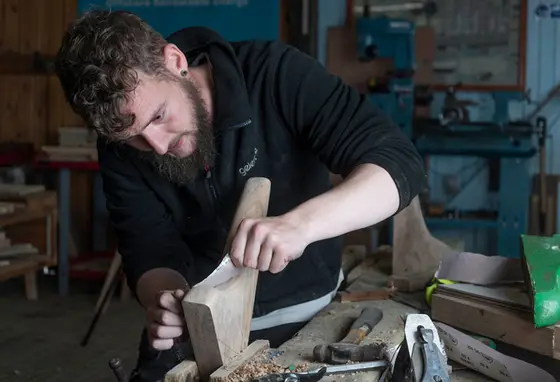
x=242, y=124
x=214, y=198
x=210, y=182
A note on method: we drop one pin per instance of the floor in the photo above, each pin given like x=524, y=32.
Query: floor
x=40, y=340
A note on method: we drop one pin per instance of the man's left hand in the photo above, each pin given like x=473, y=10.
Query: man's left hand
x=267, y=244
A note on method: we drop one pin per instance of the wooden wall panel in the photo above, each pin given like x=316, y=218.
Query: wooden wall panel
x=32, y=106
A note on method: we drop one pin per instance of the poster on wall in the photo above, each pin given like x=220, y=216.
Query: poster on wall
x=235, y=20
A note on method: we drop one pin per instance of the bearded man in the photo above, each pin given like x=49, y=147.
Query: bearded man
x=183, y=122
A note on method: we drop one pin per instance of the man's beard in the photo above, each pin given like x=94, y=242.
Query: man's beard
x=183, y=170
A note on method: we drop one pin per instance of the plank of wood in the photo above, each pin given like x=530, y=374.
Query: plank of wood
x=67, y=153
x=506, y=297
x=514, y=328
x=186, y=371
x=19, y=190
x=254, y=350
x=30, y=63
x=412, y=281
x=219, y=317
x=372, y=295
x=414, y=248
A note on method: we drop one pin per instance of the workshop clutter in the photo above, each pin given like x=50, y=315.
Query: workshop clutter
x=28, y=219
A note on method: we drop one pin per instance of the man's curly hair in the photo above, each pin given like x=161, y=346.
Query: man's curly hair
x=98, y=64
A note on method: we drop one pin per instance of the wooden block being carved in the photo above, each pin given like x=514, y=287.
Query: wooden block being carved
x=219, y=316
x=186, y=371
x=251, y=352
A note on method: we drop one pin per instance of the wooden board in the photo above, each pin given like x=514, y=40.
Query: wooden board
x=511, y=327
x=219, y=317
x=504, y=297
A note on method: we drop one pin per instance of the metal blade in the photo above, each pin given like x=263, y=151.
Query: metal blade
x=224, y=272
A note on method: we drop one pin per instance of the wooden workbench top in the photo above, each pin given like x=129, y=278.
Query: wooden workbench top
x=330, y=326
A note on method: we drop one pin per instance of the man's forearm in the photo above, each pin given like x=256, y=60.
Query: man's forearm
x=366, y=197
x=157, y=280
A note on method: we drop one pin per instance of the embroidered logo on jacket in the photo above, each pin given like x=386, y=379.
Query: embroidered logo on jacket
x=249, y=165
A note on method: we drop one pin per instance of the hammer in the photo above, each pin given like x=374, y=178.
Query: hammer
x=349, y=348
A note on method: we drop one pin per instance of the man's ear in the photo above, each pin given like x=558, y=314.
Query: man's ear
x=175, y=60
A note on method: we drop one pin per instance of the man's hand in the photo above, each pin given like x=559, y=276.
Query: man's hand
x=165, y=320
x=267, y=244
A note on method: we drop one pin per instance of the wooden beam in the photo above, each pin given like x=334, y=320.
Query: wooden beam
x=24, y=64
x=492, y=321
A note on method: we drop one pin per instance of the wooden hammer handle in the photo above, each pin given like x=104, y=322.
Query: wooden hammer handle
x=253, y=203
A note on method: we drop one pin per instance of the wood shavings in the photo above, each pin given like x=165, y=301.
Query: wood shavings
x=259, y=367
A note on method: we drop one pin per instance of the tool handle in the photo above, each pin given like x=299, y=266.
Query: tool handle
x=253, y=203
x=116, y=365
x=363, y=325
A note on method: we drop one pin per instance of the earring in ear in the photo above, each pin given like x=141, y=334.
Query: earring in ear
x=183, y=73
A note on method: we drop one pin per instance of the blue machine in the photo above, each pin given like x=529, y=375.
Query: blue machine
x=385, y=38
x=512, y=144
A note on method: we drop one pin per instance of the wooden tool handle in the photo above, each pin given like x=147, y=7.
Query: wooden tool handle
x=253, y=203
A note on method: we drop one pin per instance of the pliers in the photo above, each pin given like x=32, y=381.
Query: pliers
x=310, y=376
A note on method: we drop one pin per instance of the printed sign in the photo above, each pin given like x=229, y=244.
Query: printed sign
x=235, y=20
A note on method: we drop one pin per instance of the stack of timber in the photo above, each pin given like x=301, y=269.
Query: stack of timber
x=27, y=233
x=501, y=313
x=75, y=144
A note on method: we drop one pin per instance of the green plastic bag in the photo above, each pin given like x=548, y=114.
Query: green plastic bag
x=541, y=266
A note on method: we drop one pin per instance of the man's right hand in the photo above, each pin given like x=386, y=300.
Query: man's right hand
x=165, y=319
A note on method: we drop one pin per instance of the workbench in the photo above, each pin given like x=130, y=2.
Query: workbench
x=330, y=326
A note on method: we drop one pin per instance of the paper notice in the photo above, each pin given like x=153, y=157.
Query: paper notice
x=225, y=271
x=477, y=356
x=474, y=268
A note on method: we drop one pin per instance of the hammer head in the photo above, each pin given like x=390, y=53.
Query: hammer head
x=341, y=353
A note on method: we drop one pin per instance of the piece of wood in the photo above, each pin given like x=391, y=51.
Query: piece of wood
x=373, y=295
x=31, y=292
x=186, y=371
x=414, y=248
x=69, y=154
x=503, y=296
x=514, y=328
x=219, y=317
x=411, y=281
x=255, y=349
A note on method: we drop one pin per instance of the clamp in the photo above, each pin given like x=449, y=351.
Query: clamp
x=434, y=370
x=421, y=357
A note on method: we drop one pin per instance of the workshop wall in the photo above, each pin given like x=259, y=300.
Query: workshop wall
x=32, y=105
x=542, y=75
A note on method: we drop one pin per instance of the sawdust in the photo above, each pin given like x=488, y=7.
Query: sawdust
x=261, y=366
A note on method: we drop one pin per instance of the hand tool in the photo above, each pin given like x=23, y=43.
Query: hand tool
x=116, y=365
x=317, y=374
x=434, y=369
x=349, y=348
x=421, y=357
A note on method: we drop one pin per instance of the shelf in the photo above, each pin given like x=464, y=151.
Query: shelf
x=451, y=223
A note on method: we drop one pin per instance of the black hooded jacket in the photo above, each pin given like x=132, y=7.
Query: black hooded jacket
x=277, y=114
